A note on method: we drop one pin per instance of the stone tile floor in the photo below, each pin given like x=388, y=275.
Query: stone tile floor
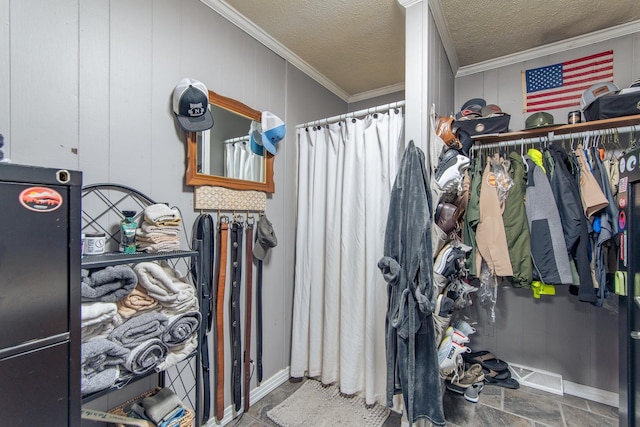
x=497, y=407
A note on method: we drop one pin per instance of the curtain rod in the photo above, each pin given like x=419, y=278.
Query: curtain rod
x=236, y=139
x=354, y=114
x=550, y=137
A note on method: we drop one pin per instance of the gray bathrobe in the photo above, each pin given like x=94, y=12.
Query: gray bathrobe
x=407, y=266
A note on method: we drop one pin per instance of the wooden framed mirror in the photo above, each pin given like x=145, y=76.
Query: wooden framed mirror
x=210, y=154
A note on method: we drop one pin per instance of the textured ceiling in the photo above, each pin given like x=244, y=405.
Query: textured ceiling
x=481, y=30
x=359, y=44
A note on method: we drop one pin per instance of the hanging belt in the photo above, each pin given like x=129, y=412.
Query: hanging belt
x=223, y=228
x=247, y=312
x=234, y=310
x=259, y=320
x=203, y=277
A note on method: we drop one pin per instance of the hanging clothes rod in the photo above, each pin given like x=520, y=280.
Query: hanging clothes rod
x=236, y=139
x=550, y=137
x=354, y=114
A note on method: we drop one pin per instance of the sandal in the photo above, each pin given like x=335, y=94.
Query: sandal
x=486, y=359
x=502, y=375
x=506, y=383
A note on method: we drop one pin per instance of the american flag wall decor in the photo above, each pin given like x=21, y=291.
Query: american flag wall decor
x=561, y=85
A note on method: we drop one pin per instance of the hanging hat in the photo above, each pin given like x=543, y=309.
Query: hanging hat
x=191, y=105
x=256, y=139
x=265, y=238
x=273, y=130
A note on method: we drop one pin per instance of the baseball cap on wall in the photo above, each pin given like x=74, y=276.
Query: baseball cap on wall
x=191, y=105
x=265, y=238
x=273, y=130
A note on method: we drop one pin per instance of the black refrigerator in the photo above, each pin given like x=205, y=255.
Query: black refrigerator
x=629, y=263
x=39, y=296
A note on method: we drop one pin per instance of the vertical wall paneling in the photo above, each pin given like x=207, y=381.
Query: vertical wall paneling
x=130, y=93
x=93, y=84
x=167, y=155
x=5, y=77
x=44, y=111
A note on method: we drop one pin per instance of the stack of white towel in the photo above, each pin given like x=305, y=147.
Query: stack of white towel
x=160, y=229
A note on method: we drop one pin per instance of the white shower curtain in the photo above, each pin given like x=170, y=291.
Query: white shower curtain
x=345, y=174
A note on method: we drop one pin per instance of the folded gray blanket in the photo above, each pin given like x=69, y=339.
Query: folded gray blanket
x=144, y=357
x=180, y=328
x=161, y=405
x=108, y=284
x=99, y=362
x=139, y=329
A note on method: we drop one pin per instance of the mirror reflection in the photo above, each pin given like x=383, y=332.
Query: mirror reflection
x=225, y=150
x=206, y=151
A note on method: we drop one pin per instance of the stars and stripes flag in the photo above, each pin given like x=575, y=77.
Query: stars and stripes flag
x=561, y=85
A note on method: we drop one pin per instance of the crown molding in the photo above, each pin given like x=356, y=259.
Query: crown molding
x=549, y=49
x=445, y=35
x=248, y=26
x=398, y=87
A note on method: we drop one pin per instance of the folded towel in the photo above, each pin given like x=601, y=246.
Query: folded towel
x=99, y=380
x=179, y=353
x=161, y=213
x=99, y=354
x=163, y=283
x=145, y=356
x=184, y=307
x=97, y=319
x=137, y=301
x=99, y=362
x=161, y=406
x=156, y=237
x=180, y=328
x=139, y=329
x=160, y=247
x=148, y=227
x=108, y=284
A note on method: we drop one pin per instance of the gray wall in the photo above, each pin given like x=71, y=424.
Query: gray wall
x=557, y=333
x=87, y=85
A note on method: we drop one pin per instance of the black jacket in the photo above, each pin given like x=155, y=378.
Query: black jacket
x=574, y=222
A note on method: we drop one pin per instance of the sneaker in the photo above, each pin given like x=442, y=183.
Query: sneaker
x=450, y=170
x=444, y=305
x=464, y=327
x=450, y=357
x=450, y=261
x=472, y=394
x=456, y=335
x=473, y=374
x=440, y=323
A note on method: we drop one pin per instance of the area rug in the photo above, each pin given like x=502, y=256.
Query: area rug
x=315, y=404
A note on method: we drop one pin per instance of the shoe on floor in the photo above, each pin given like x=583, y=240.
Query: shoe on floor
x=472, y=393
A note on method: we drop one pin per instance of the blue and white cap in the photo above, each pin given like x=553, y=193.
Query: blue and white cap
x=273, y=130
x=255, y=131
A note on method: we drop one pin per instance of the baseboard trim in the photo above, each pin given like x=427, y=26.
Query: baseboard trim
x=591, y=393
x=256, y=394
